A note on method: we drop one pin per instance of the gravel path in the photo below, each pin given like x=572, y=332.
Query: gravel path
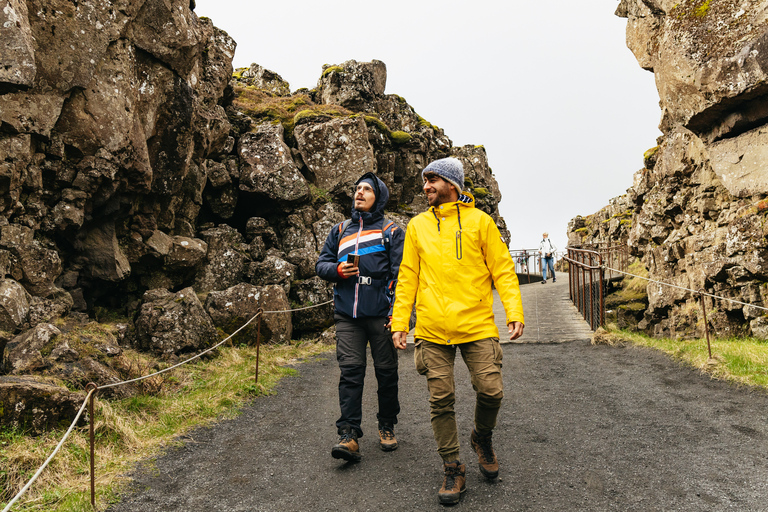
x=582, y=427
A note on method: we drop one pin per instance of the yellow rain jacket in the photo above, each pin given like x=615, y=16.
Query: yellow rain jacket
x=452, y=255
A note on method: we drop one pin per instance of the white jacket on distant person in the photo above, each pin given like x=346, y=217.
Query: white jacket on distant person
x=547, y=247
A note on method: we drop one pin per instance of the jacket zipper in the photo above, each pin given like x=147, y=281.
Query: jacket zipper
x=357, y=285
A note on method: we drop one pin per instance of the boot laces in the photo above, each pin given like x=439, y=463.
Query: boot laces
x=387, y=432
x=486, y=447
x=450, y=476
x=345, y=437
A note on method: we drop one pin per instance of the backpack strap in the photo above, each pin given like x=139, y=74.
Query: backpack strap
x=386, y=232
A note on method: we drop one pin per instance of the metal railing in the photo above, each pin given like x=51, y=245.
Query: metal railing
x=586, y=278
x=588, y=275
x=527, y=261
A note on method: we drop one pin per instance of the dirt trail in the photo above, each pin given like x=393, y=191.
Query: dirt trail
x=582, y=427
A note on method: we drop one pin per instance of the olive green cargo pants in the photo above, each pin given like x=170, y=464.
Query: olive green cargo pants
x=483, y=359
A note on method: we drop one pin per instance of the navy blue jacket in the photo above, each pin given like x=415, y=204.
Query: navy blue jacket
x=379, y=260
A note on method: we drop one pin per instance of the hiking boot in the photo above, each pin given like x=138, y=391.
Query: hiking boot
x=454, y=483
x=347, y=447
x=486, y=458
x=544, y=281
x=387, y=440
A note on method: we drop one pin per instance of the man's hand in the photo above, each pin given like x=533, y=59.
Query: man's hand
x=346, y=270
x=515, y=330
x=399, y=339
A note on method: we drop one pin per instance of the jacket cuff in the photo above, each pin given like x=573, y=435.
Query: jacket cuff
x=338, y=271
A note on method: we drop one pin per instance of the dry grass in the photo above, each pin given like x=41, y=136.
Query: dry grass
x=137, y=428
x=261, y=105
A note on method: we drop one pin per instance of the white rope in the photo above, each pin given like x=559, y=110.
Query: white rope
x=208, y=349
x=301, y=309
x=688, y=289
x=58, y=446
x=8, y=507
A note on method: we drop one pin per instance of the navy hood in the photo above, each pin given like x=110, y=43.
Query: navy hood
x=382, y=198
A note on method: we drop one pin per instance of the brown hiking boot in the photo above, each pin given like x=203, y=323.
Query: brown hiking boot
x=454, y=483
x=347, y=447
x=387, y=440
x=483, y=447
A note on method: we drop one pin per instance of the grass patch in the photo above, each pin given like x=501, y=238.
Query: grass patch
x=742, y=361
x=632, y=289
x=137, y=428
x=263, y=106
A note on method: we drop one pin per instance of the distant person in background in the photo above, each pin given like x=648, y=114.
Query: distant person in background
x=361, y=256
x=547, y=251
x=453, y=255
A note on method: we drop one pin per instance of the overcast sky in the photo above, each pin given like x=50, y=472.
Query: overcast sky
x=550, y=89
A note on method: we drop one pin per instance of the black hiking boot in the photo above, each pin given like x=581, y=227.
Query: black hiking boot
x=347, y=447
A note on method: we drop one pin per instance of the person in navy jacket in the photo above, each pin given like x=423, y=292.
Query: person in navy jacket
x=362, y=257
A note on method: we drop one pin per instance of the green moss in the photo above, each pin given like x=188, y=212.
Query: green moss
x=581, y=230
x=331, y=69
x=400, y=137
x=625, y=222
x=426, y=124
x=480, y=192
x=378, y=123
x=702, y=10
x=400, y=99
x=320, y=193
x=238, y=73
x=306, y=114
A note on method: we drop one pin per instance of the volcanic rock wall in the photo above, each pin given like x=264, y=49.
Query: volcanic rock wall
x=699, y=205
x=139, y=175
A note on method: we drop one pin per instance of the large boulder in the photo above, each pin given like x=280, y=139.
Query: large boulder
x=226, y=261
x=352, y=84
x=266, y=166
x=262, y=78
x=14, y=305
x=309, y=293
x=336, y=152
x=24, y=353
x=37, y=404
x=232, y=308
x=173, y=324
x=272, y=270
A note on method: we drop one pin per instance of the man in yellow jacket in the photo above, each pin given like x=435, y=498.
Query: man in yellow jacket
x=453, y=255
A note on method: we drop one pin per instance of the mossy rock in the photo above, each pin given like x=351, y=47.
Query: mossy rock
x=480, y=192
x=332, y=69
x=375, y=121
x=400, y=137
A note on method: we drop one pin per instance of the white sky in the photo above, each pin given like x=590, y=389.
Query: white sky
x=550, y=89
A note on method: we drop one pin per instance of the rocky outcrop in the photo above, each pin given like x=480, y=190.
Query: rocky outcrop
x=37, y=404
x=172, y=324
x=699, y=204
x=139, y=175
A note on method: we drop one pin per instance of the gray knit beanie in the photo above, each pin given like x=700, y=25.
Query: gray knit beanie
x=450, y=169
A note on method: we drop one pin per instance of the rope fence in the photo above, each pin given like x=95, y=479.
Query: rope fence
x=92, y=388
x=587, y=280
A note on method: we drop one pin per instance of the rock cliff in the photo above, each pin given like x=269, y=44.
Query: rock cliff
x=697, y=210
x=140, y=176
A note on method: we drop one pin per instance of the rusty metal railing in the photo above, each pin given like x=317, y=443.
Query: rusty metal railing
x=586, y=281
x=588, y=273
